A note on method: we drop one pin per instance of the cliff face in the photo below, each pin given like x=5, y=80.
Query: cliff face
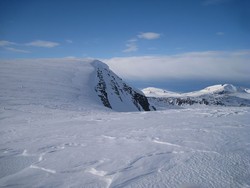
x=114, y=93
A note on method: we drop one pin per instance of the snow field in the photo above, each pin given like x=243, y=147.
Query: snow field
x=206, y=147
x=55, y=132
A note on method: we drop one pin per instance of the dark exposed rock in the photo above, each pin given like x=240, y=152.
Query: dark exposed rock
x=211, y=100
x=101, y=87
x=139, y=100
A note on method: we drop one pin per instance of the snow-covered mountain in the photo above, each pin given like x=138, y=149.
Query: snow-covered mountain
x=56, y=132
x=218, y=89
x=75, y=84
x=224, y=95
x=157, y=92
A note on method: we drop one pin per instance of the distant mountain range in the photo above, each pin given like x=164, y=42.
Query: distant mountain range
x=223, y=95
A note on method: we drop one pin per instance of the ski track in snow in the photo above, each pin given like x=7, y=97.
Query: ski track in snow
x=43, y=169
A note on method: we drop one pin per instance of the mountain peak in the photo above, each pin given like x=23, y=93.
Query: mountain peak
x=157, y=92
x=67, y=83
x=223, y=89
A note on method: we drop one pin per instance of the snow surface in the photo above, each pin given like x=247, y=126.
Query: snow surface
x=54, y=132
x=56, y=84
x=203, y=147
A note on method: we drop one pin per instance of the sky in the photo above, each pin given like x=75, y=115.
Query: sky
x=176, y=45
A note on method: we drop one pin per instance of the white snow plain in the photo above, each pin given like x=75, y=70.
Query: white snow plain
x=55, y=133
x=194, y=147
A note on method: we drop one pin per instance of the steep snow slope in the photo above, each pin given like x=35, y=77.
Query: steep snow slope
x=64, y=83
x=225, y=94
x=115, y=93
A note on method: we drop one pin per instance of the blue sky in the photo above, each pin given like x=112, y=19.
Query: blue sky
x=128, y=28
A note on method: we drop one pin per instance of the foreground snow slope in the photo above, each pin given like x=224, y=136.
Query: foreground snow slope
x=45, y=147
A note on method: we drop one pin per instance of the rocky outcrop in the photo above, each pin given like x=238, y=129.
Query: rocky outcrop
x=114, y=93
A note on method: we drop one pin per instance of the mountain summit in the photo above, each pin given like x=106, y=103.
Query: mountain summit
x=223, y=89
x=67, y=83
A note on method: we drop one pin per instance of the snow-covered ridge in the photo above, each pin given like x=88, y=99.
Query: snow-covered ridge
x=223, y=94
x=215, y=89
x=218, y=89
x=66, y=83
x=223, y=87
x=157, y=92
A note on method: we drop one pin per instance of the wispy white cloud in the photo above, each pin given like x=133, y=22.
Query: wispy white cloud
x=42, y=43
x=223, y=65
x=16, y=50
x=69, y=41
x=149, y=35
x=179, y=48
x=48, y=60
x=6, y=43
x=220, y=33
x=152, y=48
x=7, y=46
x=133, y=40
x=131, y=47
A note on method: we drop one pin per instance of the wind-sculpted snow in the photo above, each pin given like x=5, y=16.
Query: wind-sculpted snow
x=54, y=84
x=203, y=147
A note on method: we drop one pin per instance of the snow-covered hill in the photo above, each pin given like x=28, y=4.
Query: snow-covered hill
x=157, y=92
x=56, y=132
x=224, y=95
x=218, y=89
x=75, y=84
x=201, y=147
